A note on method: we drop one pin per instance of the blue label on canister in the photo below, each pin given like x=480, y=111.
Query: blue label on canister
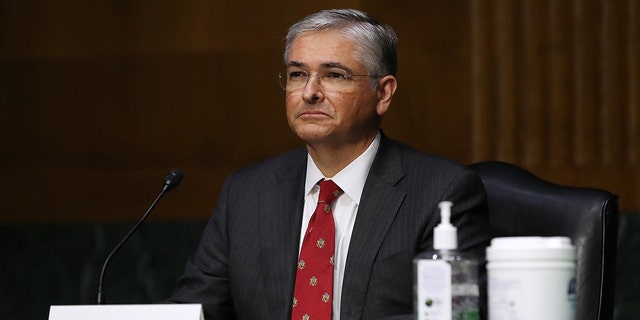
x=572, y=287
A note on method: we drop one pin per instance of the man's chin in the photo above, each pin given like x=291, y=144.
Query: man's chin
x=312, y=135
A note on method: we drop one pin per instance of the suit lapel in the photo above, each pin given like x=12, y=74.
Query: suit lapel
x=281, y=218
x=379, y=205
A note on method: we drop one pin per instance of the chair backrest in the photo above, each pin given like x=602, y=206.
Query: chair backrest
x=522, y=204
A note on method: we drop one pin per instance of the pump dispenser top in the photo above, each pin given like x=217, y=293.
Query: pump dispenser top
x=445, y=234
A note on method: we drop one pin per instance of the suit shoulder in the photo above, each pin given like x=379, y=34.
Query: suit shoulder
x=413, y=158
x=285, y=162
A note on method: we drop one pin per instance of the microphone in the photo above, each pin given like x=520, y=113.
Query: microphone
x=170, y=182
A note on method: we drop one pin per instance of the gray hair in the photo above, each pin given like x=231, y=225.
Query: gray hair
x=376, y=44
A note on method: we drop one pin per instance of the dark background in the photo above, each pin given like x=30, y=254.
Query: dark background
x=100, y=99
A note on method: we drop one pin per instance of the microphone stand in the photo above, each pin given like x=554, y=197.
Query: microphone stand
x=172, y=181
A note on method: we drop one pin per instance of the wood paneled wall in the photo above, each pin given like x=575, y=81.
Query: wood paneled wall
x=556, y=88
x=99, y=99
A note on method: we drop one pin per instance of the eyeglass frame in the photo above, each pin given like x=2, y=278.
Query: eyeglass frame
x=284, y=76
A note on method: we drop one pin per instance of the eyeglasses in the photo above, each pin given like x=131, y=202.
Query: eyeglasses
x=333, y=80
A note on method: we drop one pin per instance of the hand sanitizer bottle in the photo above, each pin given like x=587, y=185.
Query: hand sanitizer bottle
x=445, y=281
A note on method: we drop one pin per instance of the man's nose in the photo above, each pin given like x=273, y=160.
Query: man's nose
x=312, y=91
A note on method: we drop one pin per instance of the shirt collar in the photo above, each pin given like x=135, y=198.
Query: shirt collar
x=351, y=179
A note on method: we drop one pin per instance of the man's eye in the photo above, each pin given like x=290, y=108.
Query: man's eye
x=335, y=76
x=297, y=75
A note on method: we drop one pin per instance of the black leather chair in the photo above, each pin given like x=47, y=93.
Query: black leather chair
x=522, y=204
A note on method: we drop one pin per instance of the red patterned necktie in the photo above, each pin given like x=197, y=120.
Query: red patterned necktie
x=314, y=279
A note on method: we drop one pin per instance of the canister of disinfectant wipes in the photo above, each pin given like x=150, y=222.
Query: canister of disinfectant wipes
x=531, y=278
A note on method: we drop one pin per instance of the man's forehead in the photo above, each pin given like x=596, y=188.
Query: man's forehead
x=323, y=49
x=322, y=41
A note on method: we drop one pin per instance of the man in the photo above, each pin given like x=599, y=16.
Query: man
x=339, y=81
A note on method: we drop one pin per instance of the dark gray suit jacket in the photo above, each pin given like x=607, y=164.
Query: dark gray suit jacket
x=245, y=265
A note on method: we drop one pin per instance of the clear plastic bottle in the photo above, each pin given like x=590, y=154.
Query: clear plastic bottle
x=446, y=281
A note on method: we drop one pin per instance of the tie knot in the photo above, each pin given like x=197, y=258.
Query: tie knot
x=329, y=191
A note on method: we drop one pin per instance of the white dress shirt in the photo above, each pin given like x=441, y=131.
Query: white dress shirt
x=351, y=180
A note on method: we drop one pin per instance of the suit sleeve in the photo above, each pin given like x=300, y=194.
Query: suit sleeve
x=469, y=213
x=471, y=218
x=206, y=276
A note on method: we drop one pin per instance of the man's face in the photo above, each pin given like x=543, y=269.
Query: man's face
x=327, y=117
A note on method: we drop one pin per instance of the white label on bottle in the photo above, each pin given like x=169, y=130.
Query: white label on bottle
x=433, y=290
x=520, y=293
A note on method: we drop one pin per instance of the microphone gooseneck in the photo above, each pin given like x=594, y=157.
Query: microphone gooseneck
x=172, y=180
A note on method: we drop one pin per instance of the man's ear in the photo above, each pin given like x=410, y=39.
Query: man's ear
x=386, y=89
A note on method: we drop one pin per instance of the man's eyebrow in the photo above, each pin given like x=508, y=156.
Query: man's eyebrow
x=337, y=65
x=295, y=64
x=326, y=65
